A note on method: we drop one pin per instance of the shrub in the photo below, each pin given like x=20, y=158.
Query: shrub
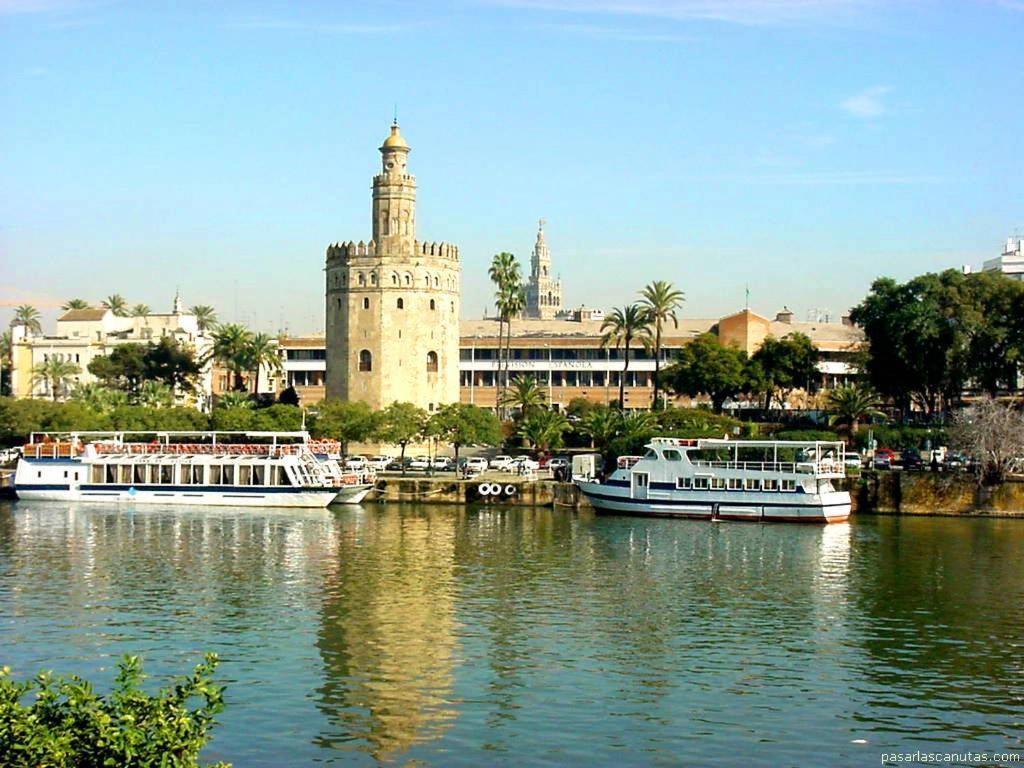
x=67, y=725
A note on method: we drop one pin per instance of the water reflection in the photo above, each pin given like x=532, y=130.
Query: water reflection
x=388, y=634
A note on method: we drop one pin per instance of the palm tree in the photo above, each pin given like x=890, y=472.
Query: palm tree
x=620, y=329
x=140, y=310
x=6, y=354
x=56, y=374
x=601, y=425
x=852, y=403
x=525, y=393
x=504, y=273
x=661, y=299
x=234, y=400
x=206, y=316
x=512, y=303
x=638, y=425
x=28, y=316
x=92, y=395
x=263, y=352
x=75, y=304
x=155, y=394
x=117, y=304
x=543, y=429
x=231, y=348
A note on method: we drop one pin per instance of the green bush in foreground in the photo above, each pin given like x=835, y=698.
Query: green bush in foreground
x=66, y=724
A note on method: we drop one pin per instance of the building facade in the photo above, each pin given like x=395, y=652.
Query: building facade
x=1011, y=263
x=543, y=290
x=392, y=311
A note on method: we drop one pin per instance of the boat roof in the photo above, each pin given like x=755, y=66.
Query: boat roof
x=121, y=434
x=726, y=443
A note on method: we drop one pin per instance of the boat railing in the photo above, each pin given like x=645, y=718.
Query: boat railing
x=824, y=467
x=51, y=449
x=199, y=449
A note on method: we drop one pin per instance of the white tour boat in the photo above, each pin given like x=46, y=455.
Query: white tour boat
x=789, y=481
x=249, y=469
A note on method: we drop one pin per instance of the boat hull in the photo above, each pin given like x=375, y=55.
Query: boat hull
x=754, y=507
x=191, y=496
x=354, y=494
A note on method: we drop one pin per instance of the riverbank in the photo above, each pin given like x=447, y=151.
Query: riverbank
x=931, y=493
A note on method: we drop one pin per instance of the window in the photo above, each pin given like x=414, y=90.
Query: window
x=394, y=278
x=771, y=484
x=789, y=485
x=401, y=303
x=361, y=279
x=215, y=474
x=433, y=304
x=408, y=279
x=431, y=362
x=166, y=474
x=366, y=303
x=373, y=278
x=671, y=454
x=683, y=483
x=752, y=484
x=718, y=483
x=700, y=483
x=365, y=361
x=281, y=476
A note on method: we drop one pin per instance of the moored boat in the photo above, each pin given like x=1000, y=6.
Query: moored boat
x=257, y=469
x=769, y=480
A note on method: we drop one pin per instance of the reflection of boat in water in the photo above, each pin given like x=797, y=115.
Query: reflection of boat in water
x=788, y=481
x=253, y=469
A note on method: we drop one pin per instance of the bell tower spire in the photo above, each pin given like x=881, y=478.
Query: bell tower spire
x=394, y=197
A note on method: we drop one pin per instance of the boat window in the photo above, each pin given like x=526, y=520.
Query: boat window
x=282, y=476
x=671, y=454
x=683, y=483
x=124, y=473
x=197, y=474
x=186, y=474
x=789, y=485
x=718, y=483
x=735, y=484
x=752, y=484
x=167, y=474
x=700, y=483
x=651, y=454
x=139, y=474
x=259, y=474
x=228, y=476
x=771, y=484
x=98, y=473
x=215, y=474
x=244, y=474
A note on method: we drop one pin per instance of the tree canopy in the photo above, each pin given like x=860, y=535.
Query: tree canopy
x=707, y=367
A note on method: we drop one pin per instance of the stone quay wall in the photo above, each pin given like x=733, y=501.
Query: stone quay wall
x=928, y=493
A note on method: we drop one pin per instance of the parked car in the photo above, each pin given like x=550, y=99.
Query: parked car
x=884, y=458
x=500, y=462
x=473, y=464
x=357, y=463
x=442, y=462
x=853, y=461
x=380, y=462
x=910, y=459
x=523, y=464
x=398, y=464
x=558, y=462
x=419, y=463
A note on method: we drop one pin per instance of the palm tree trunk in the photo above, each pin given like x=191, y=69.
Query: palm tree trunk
x=657, y=360
x=256, y=382
x=497, y=375
x=508, y=352
x=622, y=380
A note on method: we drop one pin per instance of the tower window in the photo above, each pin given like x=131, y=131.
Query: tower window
x=365, y=360
x=339, y=303
x=432, y=304
x=408, y=279
x=362, y=279
x=373, y=278
x=431, y=362
x=394, y=278
x=366, y=303
x=436, y=281
x=401, y=303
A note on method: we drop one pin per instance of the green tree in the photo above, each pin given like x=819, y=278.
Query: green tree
x=155, y=394
x=278, y=418
x=97, y=397
x=75, y=304
x=620, y=329
x=345, y=421
x=705, y=366
x=851, y=404
x=56, y=375
x=6, y=355
x=544, y=429
x=140, y=310
x=173, y=363
x=509, y=299
x=231, y=348
x=27, y=316
x=65, y=723
x=602, y=425
x=400, y=424
x=206, y=316
x=234, y=400
x=459, y=424
x=785, y=364
x=994, y=325
x=524, y=393
x=661, y=299
x=117, y=304
x=635, y=429
x=124, y=368
x=262, y=352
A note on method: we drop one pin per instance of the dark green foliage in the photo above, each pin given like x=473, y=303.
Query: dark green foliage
x=696, y=422
x=459, y=424
x=124, y=368
x=128, y=365
x=344, y=421
x=706, y=367
x=782, y=365
x=288, y=396
x=806, y=435
x=60, y=722
x=899, y=438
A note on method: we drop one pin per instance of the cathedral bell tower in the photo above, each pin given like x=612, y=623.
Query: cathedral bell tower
x=392, y=318
x=543, y=292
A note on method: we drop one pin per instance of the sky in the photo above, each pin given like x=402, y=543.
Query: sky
x=800, y=148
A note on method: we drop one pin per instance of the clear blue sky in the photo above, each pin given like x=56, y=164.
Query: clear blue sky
x=800, y=146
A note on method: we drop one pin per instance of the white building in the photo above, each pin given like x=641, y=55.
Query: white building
x=1011, y=263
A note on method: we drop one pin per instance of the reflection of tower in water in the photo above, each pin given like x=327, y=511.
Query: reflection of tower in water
x=387, y=635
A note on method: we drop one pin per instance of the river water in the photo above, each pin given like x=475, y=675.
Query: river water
x=441, y=636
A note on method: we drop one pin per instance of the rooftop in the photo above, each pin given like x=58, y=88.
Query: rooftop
x=90, y=313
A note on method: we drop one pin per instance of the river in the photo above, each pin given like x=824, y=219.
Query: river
x=447, y=636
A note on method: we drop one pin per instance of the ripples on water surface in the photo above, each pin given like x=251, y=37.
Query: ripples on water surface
x=447, y=636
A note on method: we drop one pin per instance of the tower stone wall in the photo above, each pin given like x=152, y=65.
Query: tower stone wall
x=393, y=303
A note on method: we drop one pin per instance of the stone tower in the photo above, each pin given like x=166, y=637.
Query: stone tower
x=393, y=303
x=543, y=292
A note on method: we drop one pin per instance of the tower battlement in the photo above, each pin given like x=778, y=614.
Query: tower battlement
x=353, y=250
